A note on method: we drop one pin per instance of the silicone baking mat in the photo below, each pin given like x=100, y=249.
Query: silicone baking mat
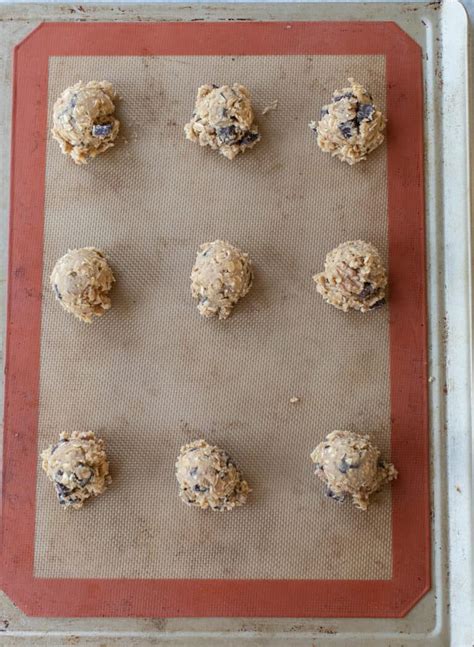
x=152, y=374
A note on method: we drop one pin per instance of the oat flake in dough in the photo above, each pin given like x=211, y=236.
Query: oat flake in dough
x=78, y=467
x=351, y=126
x=209, y=478
x=81, y=281
x=223, y=119
x=222, y=274
x=83, y=120
x=354, y=277
x=351, y=466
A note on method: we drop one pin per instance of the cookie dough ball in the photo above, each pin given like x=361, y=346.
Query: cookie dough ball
x=223, y=119
x=78, y=467
x=220, y=277
x=208, y=478
x=82, y=280
x=354, y=277
x=351, y=466
x=351, y=126
x=83, y=120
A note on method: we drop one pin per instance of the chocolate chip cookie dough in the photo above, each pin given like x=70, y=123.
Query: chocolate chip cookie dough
x=221, y=276
x=351, y=126
x=78, y=467
x=223, y=119
x=81, y=281
x=83, y=120
x=208, y=478
x=351, y=466
x=354, y=277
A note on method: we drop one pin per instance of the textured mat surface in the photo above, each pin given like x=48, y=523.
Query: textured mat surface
x=152, y=374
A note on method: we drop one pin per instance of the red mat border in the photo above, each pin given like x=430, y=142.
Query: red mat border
x=408, y=338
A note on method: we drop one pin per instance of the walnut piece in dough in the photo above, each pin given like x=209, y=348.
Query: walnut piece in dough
x=83, y=120
x=354, y=277
x=350, y=465
x=223, y=119
x=78, y=467
x=351, y=126
x=81, y=281
x=208, y=478
x=222, y=274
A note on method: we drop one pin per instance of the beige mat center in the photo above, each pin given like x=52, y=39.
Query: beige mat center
x=152, y=375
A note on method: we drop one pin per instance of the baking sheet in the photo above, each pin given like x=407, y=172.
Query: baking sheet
x=420, y=618
x=180, y=375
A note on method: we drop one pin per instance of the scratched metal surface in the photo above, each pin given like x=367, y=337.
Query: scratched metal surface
x=443, y=617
